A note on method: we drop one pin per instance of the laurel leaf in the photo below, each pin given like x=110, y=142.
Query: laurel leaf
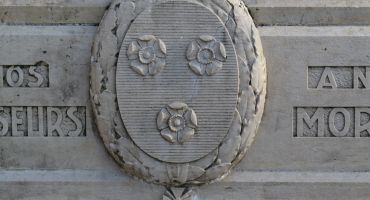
x=215, y=172
x=194, y=172
x=231, y=144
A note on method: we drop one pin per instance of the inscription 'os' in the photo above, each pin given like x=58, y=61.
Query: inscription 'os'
x=42, y=121
x=332, y=122
x=25, y=75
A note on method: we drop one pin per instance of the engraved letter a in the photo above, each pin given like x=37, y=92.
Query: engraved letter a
x=327, y=75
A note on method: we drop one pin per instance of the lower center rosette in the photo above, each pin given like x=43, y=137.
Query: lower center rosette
x=177, y=122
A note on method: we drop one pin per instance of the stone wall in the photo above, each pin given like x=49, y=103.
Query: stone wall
x=315, y=51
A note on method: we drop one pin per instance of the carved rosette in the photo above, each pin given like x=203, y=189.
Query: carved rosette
x=206, y=55
x=177, y=122
x=155, y=130
x=147, y=55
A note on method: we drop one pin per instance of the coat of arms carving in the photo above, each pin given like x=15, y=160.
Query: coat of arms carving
x=178, y=87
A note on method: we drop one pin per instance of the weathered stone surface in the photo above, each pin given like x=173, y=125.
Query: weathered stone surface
x=52, y=12
x=280, y=165
x=279, y=145
x=264, y=12
x=65, y=50
x=309, y=12
x=81, y=169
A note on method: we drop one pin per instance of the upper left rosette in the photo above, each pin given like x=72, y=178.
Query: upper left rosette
x=147, y=55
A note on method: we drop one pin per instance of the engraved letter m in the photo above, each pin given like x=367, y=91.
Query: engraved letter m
x=310, y=121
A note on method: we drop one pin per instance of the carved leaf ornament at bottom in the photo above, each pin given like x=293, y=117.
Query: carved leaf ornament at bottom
x=196, y=115
x=179, y=194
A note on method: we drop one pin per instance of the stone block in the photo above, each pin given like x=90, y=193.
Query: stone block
x=313, y=142
x=264, y=12
x=309, y=12
x=61, y=108
x=291, y=137
x=279, y=165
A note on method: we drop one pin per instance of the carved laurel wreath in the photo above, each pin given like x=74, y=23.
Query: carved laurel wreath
x=249, y=110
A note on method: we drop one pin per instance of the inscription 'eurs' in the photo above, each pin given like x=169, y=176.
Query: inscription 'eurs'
x=42, y=121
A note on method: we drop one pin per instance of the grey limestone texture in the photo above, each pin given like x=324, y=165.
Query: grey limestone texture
x=306, y=148
x=264, y=12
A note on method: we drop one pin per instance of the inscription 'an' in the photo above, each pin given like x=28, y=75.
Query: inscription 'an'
x=339, y=77
x=331, y=122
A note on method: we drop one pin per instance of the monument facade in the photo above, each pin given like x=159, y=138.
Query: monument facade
x=184, y=99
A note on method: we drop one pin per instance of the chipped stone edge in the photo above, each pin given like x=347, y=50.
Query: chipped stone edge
x=248, y=114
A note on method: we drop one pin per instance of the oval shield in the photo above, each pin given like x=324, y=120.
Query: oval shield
x=177, y=81
x=177, y=87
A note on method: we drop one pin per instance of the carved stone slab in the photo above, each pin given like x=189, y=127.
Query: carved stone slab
x=320, y=108
x=178, y=87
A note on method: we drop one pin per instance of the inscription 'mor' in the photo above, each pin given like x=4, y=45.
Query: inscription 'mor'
x=331, y=122
x=339, y=77
x=42, y=121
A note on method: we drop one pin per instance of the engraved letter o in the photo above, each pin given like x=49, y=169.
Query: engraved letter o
x=9, y=78
x=347, y=122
